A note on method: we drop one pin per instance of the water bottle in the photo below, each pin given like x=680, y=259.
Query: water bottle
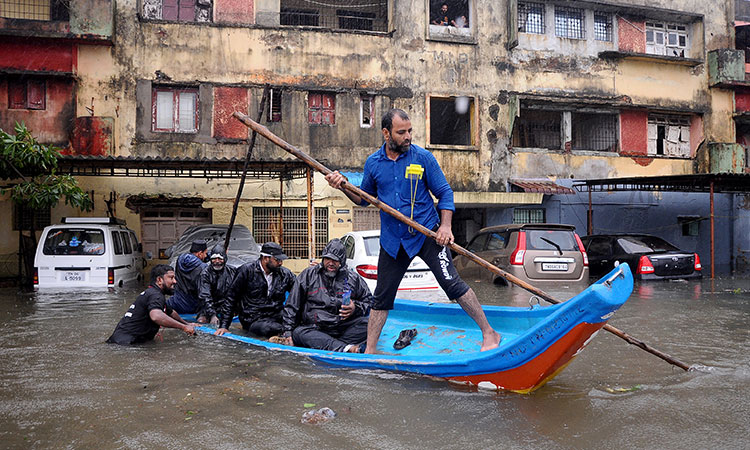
x=347, y=297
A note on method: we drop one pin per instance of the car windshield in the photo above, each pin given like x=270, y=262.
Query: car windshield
x=556, y=240
x=372, y=246
x=645, y=244
x=74, y=241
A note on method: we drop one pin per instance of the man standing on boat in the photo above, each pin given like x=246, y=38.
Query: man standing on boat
x=258, y=292
x=402, y=175
x=328, y=306
x=142, y=320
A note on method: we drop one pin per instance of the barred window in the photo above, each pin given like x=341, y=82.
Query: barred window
x=538, y=129
x=521, y=216
x=365, y=15
x=602, y=26
x=34, y=9
x=366, y=219
x=274, y=106
x=594, y=132
x=531, y=18
x=570, y=23
x=22, y=216
x=266, y=228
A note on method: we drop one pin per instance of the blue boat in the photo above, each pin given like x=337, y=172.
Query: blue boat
x=537, y=342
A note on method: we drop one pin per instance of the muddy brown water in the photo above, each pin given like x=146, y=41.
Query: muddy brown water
x=61, y=386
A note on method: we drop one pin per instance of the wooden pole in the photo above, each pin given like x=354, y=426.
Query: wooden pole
x=313, y=163
x=262, y=108
x=281, y=211
x=310, y=217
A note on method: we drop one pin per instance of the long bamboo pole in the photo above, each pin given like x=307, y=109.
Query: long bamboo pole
x=312, y=162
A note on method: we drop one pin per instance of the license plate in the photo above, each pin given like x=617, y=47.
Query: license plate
x=72, y=276
x=555, y=266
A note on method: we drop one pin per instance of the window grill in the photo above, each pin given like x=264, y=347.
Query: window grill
x=521, y=216
x=365, y=15
x=531, y=18
x=593, y=131
x=22, y=218
x=266, y=228
x=25, y=9
x=538, y=129
x=602, y=27
x=366, y=219
x=570, y=23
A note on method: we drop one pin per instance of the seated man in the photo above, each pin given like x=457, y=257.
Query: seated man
x=216, y=280
x=258, y=292
x=150, y=311
x=189, y=267
x=328, y=306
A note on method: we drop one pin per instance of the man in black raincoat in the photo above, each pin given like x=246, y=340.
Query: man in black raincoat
x=258, y=292
x=328, y=306
x=216, y=280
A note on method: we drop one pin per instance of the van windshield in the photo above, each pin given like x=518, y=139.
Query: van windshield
x=74, y=241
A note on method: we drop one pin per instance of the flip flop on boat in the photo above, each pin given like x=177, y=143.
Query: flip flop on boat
x=404, y=338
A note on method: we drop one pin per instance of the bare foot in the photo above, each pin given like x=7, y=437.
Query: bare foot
x=370, y=351
x=490, y=341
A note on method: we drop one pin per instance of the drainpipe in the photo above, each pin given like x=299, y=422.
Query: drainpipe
x=712, y=230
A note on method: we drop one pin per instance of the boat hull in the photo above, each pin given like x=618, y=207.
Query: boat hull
x=538, y=342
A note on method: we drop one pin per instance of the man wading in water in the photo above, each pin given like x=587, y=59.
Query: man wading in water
x=402, y=175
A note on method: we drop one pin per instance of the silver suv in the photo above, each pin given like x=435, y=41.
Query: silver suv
x=531, y=252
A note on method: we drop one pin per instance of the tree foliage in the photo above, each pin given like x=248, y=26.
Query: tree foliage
x=31, y=168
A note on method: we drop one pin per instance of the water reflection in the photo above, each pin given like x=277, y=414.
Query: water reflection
x=61, y=386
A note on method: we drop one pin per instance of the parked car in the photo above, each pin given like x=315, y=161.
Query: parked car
x=87, y=252
x=242, y=245
x=649, y=257
x=531, y=252
x=362, y=252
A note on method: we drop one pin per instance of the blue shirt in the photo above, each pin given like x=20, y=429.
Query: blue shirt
x=386, y=179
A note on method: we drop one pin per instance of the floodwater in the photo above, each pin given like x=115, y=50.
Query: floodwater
x=61, y=386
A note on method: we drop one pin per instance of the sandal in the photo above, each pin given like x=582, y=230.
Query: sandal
x=404, y=338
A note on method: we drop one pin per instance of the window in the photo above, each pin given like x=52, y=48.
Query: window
x=178, y=10
x=531, y=18
x=126, y=242
x=175, y=110
x=602, y=26
x=451, y=121
x=274, y=106
x=479, y=243
x=592, y=131
x=570, y=23
x=355, y=20
x=365, y=219
x=321, y=108
x=23, y=215
x=335, y=14
x=538, y=129
x=666, y=39
x=669, y=135
x=117, y=242
x=27, y=93
x=690, y=225
x=366, y=111
x=74, y=241
x=299, y=17
x=528, y=216
x=449, y=13
x=34, y=9
x=266, y=228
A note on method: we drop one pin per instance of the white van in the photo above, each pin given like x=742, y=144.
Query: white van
x=87, y=252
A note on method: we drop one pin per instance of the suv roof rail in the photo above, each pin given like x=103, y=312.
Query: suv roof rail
x=103, y=220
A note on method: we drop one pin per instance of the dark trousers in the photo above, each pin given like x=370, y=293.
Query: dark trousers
x=351, y=332
x=265, y=327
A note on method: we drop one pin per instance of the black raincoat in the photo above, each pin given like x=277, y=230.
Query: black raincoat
x=215, y=286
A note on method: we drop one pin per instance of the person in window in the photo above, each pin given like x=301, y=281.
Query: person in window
x=258, y=292
x=328, y=306
x=143, y=318
x=442, y=16
x=216, y=280
x=189, y=267
x=384, y=178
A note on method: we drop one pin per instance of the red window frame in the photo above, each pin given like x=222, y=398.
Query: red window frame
x=27, y=94
x=321, y=108
x=175, y=128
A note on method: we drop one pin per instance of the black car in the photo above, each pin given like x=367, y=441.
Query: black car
x=649, y=257
x=242, y=245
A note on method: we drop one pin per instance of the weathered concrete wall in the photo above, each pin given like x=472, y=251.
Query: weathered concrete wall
x=51, y=125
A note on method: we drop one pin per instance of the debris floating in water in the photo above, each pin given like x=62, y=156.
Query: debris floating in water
x=318, y=416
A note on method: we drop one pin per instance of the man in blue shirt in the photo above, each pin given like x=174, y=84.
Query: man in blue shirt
x=402, y=175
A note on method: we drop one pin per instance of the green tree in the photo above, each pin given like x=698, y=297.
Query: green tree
x=29, y=169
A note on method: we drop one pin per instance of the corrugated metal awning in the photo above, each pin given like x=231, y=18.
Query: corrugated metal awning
x=539, y=186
